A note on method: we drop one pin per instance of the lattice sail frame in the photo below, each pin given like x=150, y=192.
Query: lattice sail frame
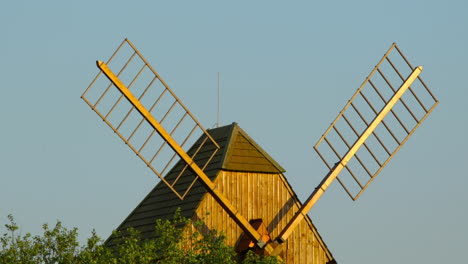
x=389, y=136
x=364, y=123
x=134, y=129
x=148, y=117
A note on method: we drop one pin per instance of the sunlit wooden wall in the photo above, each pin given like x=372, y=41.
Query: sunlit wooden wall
x=267, y=196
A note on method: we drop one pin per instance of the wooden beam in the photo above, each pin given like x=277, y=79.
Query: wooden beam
x=209, y=185
x=318, y=192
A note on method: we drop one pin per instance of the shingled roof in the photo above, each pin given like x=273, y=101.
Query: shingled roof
x=238, y=152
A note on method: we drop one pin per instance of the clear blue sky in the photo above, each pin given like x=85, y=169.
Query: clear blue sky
x=286, y=71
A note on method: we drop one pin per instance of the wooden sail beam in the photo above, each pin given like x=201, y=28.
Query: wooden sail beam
x=339, y=166
x=210, y=186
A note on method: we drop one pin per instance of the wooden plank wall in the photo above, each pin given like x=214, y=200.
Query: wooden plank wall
x=266, y=196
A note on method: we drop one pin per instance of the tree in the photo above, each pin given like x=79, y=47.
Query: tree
x=174, y=245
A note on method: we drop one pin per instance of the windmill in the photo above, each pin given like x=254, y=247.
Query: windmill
x=224, y=172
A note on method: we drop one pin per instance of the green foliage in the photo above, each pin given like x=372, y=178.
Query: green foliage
x=252, y=258
x=56, y=245
x=173, y=245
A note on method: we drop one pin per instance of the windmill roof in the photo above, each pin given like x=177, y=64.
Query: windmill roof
x=238, y=152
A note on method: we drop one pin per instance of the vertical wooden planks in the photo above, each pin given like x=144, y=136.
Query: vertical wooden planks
x=266, y=196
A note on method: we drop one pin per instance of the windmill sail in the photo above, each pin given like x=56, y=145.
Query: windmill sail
x=116, y=108
x=379, y=119
x=156, y=110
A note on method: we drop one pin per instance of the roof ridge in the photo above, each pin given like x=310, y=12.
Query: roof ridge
x=224, y=148
x=261, y=150
x=231, y=161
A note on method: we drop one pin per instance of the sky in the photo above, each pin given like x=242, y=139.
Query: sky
x=286, y=70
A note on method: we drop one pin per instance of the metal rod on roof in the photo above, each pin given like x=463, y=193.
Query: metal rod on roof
x=217, y=119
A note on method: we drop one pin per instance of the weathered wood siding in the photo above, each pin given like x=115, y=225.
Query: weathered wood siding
x=266, y=196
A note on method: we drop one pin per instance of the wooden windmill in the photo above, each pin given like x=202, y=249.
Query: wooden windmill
x=224, y=172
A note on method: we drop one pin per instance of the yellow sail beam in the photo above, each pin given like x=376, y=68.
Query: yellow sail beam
x=210, y=186
x=318, y=192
